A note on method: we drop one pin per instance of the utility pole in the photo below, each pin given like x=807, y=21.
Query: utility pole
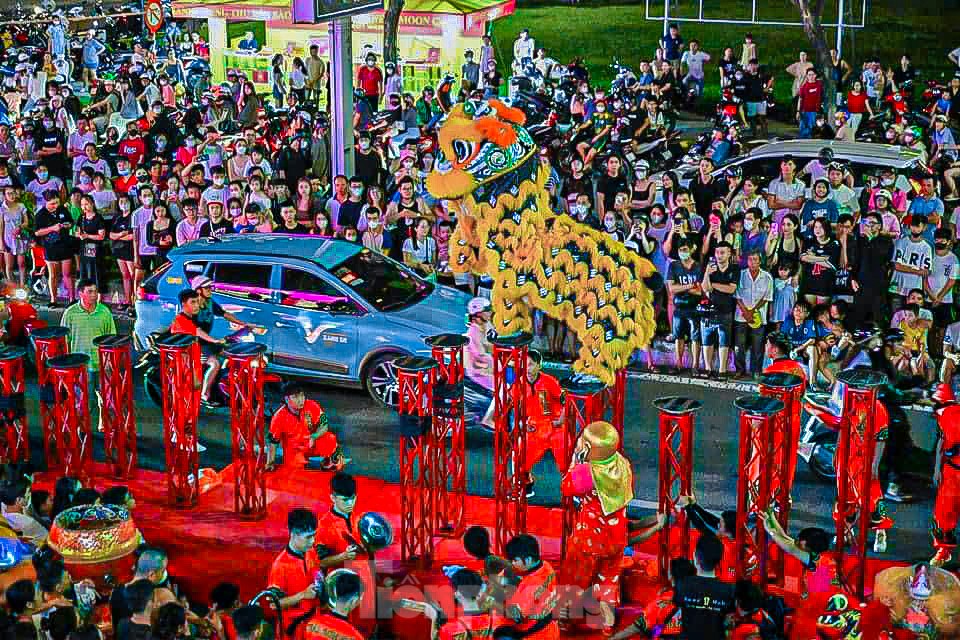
x=341, y=96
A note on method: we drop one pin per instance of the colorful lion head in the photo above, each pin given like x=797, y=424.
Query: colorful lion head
x=479, y=143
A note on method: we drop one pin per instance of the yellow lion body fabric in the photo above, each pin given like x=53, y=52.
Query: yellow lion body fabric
x=537, y=258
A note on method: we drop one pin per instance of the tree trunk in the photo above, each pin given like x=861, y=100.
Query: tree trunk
x=811, y=13
x=391, y=25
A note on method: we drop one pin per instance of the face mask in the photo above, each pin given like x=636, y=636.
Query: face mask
x=158, y=110
x=356, y=192
x=234, y=212
x=610, y=224
x=218, y=182
x=124, y=172
x=641, y=174
x=364, y=144
x=684, y=255
x=748, y=225
x=657, y=218
x=85, y=179
x=147, y=201
x=370, y=63
x=887, y=181
x=601, y=109
x=191, y=144
x=48, y=124
x=321, y=224
x=42, y=175
x=373, y=224
x=408, y=164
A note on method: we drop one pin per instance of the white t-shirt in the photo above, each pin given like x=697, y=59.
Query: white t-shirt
x=952, y=337
x=944, y=268
x=912, y=254
x=694, y=62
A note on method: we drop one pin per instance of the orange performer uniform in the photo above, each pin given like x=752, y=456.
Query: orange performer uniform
x=544, y=404
x=531, y=605
x=291, y=573
x=295, y=433
x=787, y=365
x=327, y=625
x=660, y=615
x=335, y=534
x=470, y=626
x=602, y=480
x=946, y=509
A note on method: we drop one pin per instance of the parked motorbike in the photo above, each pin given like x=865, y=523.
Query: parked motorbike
x=19, y=317
x=150, y=364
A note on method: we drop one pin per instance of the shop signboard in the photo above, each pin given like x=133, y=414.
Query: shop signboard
x=317, y=11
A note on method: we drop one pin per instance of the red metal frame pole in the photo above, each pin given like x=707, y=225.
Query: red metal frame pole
x=245, y=364
x=856, y=450
x=450, y=461
x=675, y=476
x=614, y=399
x=758, y=415
x=73, y=439
x=583, y=403
x=116, y=413
x=415, y=380
x=15, y=439
x=510, y=436
x=48, y=342
x=181, y=378
x=788, y=389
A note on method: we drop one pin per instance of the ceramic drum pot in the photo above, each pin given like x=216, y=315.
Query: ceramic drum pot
x=96, y=542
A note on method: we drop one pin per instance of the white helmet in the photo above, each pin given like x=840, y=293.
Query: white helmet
x=478, y=305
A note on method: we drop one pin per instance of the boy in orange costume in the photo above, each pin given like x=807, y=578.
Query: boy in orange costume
x=301, y=427
x=344, y=589
x=531, y=605
x=602, y=480
x=544, y=404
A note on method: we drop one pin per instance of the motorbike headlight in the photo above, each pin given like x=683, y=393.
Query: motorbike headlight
x=20, y=294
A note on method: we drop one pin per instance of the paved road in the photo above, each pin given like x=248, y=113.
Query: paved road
x=368, y=433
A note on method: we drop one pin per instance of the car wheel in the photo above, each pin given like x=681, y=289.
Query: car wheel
x=822, y=460
x=381, y=380
x=151, y=386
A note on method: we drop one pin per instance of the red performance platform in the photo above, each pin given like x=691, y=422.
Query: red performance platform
x=208, y=543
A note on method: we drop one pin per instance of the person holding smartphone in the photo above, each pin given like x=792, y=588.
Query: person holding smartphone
x=53, y=224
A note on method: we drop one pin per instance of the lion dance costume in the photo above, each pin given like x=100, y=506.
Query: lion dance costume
x=946, y=509
x=924, y=601
x=537, y=258
x=601, y=480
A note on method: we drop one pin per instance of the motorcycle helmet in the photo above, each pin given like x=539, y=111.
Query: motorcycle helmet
x=641, y=168
x=882, y=193
x=734, y=172
x=477, y=305
x=375, y=532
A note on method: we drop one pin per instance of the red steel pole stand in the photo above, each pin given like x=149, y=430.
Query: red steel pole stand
x=15, y=439
x=48, y=342
x=583, y=404
x=245, y=366
x=181, y=378
x=856, y=450
x=116, y=413
x=758, y=415
x=675, y=471
x=510, y=436
x=73, y=439
x=415, y=378
x=450, y=462
x=788, y=389
x=614, y=399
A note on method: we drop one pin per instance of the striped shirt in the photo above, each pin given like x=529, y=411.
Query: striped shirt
x=84, y=327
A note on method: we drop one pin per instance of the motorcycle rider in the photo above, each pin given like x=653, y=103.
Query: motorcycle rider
x=208, y=310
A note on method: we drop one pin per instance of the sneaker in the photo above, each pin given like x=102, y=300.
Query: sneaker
x=895, y=493
x=941, y=557
x=530, y=492
x=210, y=405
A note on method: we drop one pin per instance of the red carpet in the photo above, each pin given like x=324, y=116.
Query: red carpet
x=208, y=544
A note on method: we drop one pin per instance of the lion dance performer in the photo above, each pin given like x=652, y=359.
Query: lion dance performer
x=601, y=480
x=924, y=601
x=946, y=509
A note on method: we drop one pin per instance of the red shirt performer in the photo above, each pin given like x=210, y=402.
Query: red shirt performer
x=946, y=508
x=344, y=590
x=339, y=545
x=295, y=571
x=602, y=479
x=300, y=426
x=544, y=402
x=530, y=607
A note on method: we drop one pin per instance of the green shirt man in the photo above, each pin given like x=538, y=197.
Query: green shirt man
x=87, y=319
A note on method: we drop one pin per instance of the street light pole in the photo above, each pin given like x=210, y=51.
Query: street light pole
x=341, y=96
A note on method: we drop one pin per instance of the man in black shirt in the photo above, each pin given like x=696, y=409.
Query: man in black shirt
x=704, y=601
x=216, y=225
x=757, y=83
x=610, y=184
x=720, y=282
x=351, y=211
x=683, y=281
x=288, y=216
x=871, y=278
x=138, y=596
x=366, y=159
x=705, y=188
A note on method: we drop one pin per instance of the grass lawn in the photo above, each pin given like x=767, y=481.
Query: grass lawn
x=598, y=31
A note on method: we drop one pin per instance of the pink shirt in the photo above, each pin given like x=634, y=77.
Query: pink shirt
x=477, y=361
